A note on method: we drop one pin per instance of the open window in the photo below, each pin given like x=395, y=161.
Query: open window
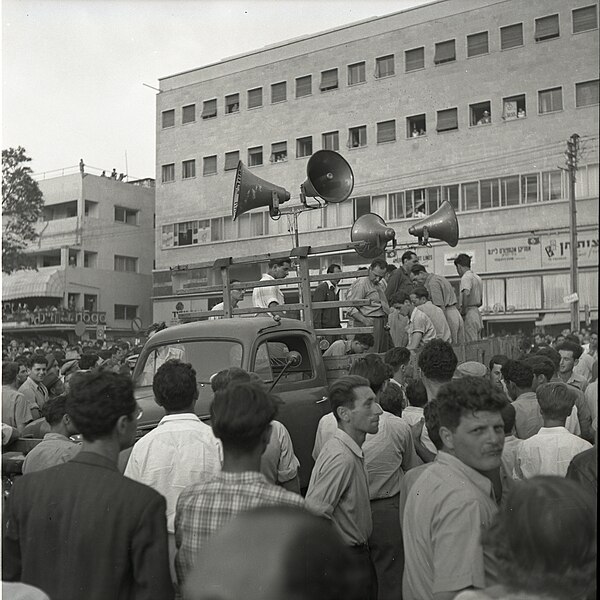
x=271, y=358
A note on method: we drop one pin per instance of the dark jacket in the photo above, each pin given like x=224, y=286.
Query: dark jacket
x=399, y=282
x=326, y=317
x=584, y=469
x=83, y=530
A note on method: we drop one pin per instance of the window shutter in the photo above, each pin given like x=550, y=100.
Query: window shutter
x=231, y=160
x=447, y=119
x=477, y=44
x=255, y=98
x=586, y=93
x=414, y=59
x=384, y=66
x=304, y=86
x=188, y=114
x=278, y=92
x=585, y=19
x=386, y=131
x=546, y=28
x=329, y=80
x=210, y=109
x=444, y=52
x=210, y=165
x=511, y=36
x=168, y=118
x=278, y=148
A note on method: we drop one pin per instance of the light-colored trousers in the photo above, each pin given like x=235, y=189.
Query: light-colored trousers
x=456, y=324
x=473, y=324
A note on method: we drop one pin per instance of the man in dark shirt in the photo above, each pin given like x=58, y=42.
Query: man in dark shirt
x=327, y=291
x=399, y=280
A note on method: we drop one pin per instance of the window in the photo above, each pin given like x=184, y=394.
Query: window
x=511, y=36
x=186, y=233
x=490, y=193
x=551, y=186
x=356, y=73
x=90, y=260
x=231, y=160
x=444, y=52
x=509, y=190
x=210, y=109
x=386, y=132
x=168, y=173
x=546, y=28
x=255, y=98
x=450, y=193
x=529, y=188
x=188, y=113
x=586, y=93
x=414, y=59
x=90, y=209
x=416, y=126
x=447, y=120
x=232, y=103
x=434, y=199
x=209, y=165
x=126, y=215
x=329, y=80
x=396, y=206
x=480, y=113
x=477, y=44
x=255, y=156
x=279, y=152
x=585, y=18
x=303, y=86
x=125, y=312
x=514, y=107
x=304, y=147
x=252, y=225
x=357, y=137
x=279, y=92
x=188, y=169
x=331, y=141
x=270, y=360
x=550, y=100
x=362, y=206
x=126, y=263
x=168, y=118
x=384, y=66
x=470, y=196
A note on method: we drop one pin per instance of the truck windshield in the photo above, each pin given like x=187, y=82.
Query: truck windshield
x=206, y=356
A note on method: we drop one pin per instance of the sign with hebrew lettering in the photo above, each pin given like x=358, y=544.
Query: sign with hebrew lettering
x=505, y=255
x=556, y=249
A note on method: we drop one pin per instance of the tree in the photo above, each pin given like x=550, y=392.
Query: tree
x=22, y=204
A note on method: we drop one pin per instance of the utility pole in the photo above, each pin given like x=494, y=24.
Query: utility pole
x=571, y=154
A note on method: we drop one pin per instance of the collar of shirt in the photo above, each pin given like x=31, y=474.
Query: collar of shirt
x=526, y=396
x=553, y=431
x=267, y=277
x=477, y=479
x=243, y=478
x=179, y=417
x=332, y=284
x=392, y=380
x=341, y=435
x=94, y=459
x=58, y=436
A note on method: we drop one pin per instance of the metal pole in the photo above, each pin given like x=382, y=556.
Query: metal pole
x=572, y=145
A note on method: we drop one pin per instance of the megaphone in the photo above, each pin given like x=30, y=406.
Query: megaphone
x=441, y=225
x=370, y=235
x=251, y=192
x=329, y=176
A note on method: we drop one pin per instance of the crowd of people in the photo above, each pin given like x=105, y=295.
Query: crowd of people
x=470, y=481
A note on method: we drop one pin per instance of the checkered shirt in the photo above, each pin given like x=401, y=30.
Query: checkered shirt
x=204, y=508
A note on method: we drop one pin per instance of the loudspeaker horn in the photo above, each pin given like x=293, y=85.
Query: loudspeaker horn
x=329, y=176
x=251, y=192
x=370, y=235
x=441, y=225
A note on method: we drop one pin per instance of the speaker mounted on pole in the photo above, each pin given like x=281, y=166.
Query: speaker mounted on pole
x=329, y=176
x=441, y=225
x=370, y=235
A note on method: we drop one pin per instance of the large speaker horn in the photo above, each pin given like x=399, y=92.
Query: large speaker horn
x=441, y=225
x=329, y=177
x=370, y=235
x=251, y=192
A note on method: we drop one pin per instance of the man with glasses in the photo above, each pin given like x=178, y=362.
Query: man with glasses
x=81, y=529
x=375, y=314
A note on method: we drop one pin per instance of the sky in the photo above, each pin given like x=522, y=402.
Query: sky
x=75, y=72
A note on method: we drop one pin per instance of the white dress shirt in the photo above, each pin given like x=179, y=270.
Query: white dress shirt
x=180, y=451
x=263, y=296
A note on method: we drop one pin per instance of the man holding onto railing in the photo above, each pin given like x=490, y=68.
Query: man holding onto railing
x=270, y=296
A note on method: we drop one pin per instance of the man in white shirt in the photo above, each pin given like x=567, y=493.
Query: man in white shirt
x=471, y=297
x=270, y=296
x=420, y=327
x=236, y=297
x=420, y=298
x=550, y=451
x=181, y=450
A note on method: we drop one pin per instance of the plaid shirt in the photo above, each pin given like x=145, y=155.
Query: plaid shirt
x=204, y=508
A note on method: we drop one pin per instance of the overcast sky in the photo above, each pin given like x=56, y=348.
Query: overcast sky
x=72, y=70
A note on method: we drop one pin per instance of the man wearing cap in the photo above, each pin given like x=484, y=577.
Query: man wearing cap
x=470, y=368
x=471, y=297
x=441, y=293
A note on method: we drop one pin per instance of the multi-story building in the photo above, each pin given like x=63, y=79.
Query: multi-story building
x=94, y=259
x=470, y=101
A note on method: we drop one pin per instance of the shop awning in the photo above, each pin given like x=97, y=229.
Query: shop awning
x=514, y=317
x=560, y=318
x=44, y=283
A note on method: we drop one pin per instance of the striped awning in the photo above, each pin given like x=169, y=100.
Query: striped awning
x=44, y=283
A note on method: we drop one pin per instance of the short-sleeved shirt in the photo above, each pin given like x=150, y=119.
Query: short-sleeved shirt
x=440, y=290
x=528, y=418
x=509, y=454
x=263, y=296
x=438, y=318
x=447, y=509
x=419, y=322
x=278, y=462
x=15, y=408
x=471, y=283
x=339, y=490
x=54, y=449
x=365, y=289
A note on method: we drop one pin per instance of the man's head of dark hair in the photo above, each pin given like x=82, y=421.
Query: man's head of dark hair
x=88, y=360
x=38, y=359
x=568, y=346
x=391, y=399
x=10, y=371
x=509, y=415
x=332, y=267
x=240, y=415
x=466, y=396
x=498, y=359
x=233, y=374
x=552, y=354
x=555, y=400
x=421, y=292
x=541, y=365
x=372, y=368
x=432, y=422
x=366, y=339
x=399, y=298
x=573, y=338
x=396, y=357
x=341, y=392
x=55, y=409
x=416, y=393
x=390, y=268
x=464, y=260
x=407, y=256
x=279, y=262
x=415, y=269
x=174, y=385
x=378, y=262
x=438, y=361
x=520, y=373
x=96, y=401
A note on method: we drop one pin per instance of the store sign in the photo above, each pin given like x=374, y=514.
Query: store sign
x=520, y=253
x=556, y=249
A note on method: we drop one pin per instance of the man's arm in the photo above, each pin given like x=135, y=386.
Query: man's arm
x=287, y=468
x=436, y=293
x=422, y=452
x=415, y=340
x=357, y=293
